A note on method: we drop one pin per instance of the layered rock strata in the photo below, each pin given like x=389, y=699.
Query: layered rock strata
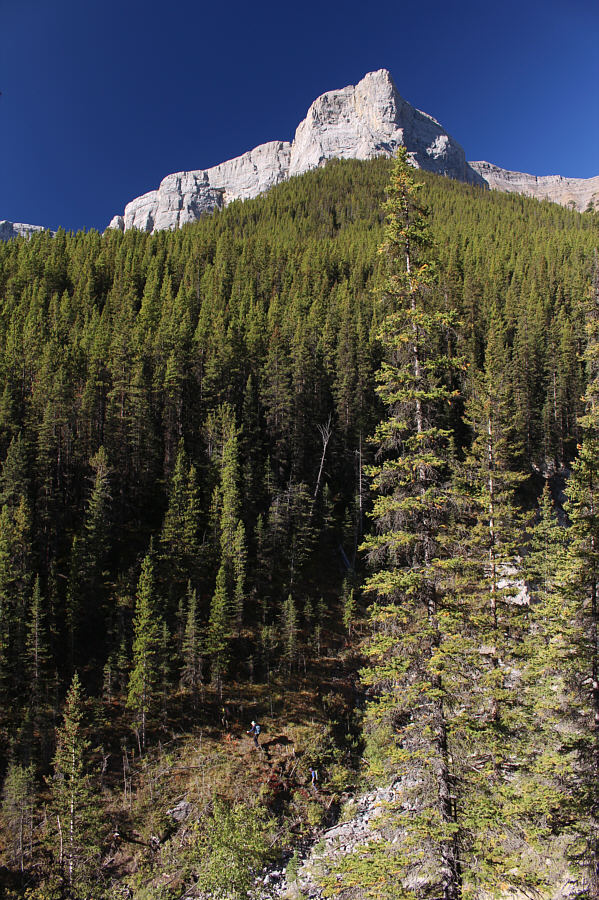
x=356, y=122
x=576, y=192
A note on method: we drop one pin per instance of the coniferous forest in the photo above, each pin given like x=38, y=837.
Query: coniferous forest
x=327, y=460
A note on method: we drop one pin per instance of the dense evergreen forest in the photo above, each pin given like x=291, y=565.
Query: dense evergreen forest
x=322, y=461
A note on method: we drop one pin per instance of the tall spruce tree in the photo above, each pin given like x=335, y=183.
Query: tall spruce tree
x=408, y=616
x=87, y=588
x=74, y=803
x=491, y=482
x=15, y=580
x=147, y=626
x=37, y=668
x=492, y=728
x=218, y=634
x=547, y=691
x=582, y=589
x=191, y=670
x=18, y=804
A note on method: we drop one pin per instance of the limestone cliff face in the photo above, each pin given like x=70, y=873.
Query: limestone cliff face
x=10, y=230
x=372, y=119
x=576, y=192
x=355, y=122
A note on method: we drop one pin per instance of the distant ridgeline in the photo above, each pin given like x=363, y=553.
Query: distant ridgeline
x=9, y=230
x=356, y=122
x=362, y=121
x=201, y=400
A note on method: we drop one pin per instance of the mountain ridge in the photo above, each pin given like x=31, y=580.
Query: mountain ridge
x=576, y=192
x=355, y=122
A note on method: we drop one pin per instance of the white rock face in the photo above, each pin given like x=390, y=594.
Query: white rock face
x=185, y=196
x=576, y=192
x=254, y=172
x=181, y=198
x=10, y=230
x=370, y=119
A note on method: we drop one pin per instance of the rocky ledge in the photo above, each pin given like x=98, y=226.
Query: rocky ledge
x=300, y=877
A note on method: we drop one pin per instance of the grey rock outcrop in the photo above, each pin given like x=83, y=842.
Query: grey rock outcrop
x=370, y=818
x=356, y=122
x=180, y=812
x=575, y=192
x=181, y=198
x=364, y=823
x=9, y=230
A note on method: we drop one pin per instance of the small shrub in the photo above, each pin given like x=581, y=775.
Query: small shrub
x=314, y=814
x=339, y=777
x=348, y=811
x=292, y=869
x=231, y=846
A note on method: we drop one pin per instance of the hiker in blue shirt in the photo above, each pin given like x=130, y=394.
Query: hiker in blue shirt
x=255, y=731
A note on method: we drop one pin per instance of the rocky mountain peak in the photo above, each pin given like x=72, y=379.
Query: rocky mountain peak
x=355, y=122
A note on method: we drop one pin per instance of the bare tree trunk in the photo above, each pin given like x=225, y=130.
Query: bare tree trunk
x=60, y=851
x=325, y=434
x=125, y=767
x=492, y=559
x=360, y=486
x=72, y=827
x=450, y=851
x=21, y=840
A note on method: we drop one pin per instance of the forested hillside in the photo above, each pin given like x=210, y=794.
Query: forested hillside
x=188, y=438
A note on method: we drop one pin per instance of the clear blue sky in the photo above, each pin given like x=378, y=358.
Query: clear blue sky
x=103, y=98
